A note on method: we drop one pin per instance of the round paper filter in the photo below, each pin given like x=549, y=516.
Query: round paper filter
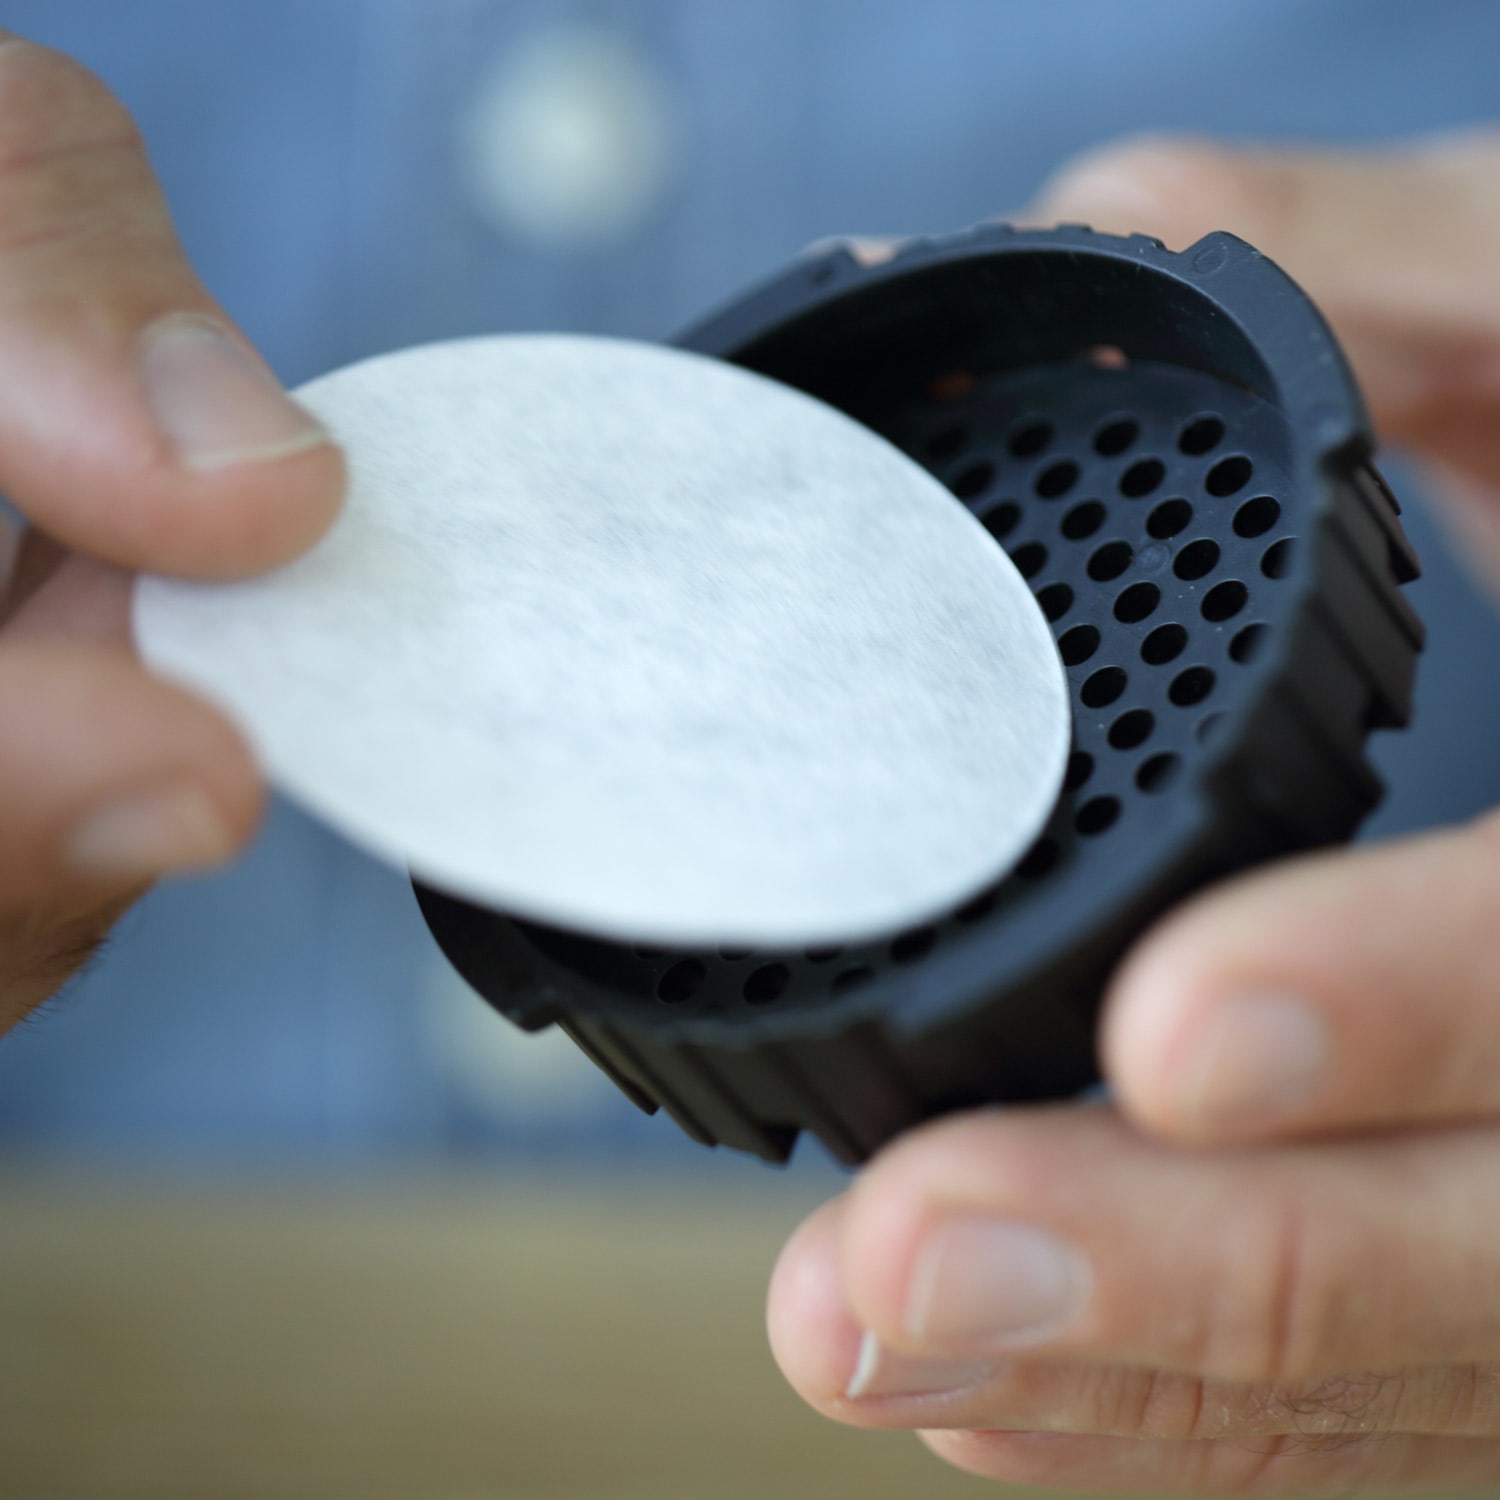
x=637, y=643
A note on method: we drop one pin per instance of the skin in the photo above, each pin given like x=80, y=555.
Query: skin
x=1286, y=1278
x=1276, y=1289
x=109, y=778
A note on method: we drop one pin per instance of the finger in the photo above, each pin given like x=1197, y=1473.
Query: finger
x=1395, y=246
x=1063, y=1234
x=108, y=779
x=849, y=1376
x=1345, y=989
x=135, y=422
x=81, y=600
x=97, y=735
x=1270, y=1466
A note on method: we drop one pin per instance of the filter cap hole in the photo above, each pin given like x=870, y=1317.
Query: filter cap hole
x=1159, y=772
x=911, y=947
x=1030, y=558
x=1191, y=686
x=1229, y=476
x=767, y=983
x=1042, y=858
x=1197, y=560
x=1110, y=561
x=1002, y=519
x=1200, y=435
x=1083, y=520
x=1080, y=768
x=1137, y=603
x=1132, y=729
x=1096, y=815
x=948, y=442
x=1115, y=436
x=1103, y=687
x=1165, y=643
x=681, y=982
x=1169, y=518
x=1057, y=479
x=1224, y=601
x=1256, y=517
x=1029, y=439
x=1056, y=600
x=1277, y=562
x=1142, y=477
x=973, y=480
x=1248, y=644
x=1078, y=644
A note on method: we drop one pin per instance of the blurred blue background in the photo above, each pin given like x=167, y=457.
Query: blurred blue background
x=354, y=175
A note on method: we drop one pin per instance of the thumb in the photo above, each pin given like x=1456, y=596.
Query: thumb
x=135, y=422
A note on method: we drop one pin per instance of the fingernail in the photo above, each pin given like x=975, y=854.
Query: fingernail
x=994, y=1281
x=148, y=834
x=216, y=403
x=882, y=1372
x=1257, y=1060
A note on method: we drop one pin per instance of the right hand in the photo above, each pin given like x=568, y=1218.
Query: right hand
x=138, y=431
x=1259, y=1290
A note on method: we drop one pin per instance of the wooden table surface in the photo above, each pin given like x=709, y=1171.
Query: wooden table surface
x=495, y=1338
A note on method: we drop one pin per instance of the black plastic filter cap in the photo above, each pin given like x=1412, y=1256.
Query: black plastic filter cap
x=1173, y=451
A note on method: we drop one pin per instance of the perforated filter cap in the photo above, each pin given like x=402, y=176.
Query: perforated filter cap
x=1172, y=451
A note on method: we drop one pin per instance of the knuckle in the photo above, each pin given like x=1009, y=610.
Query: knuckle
x=1117, y=1399
x=1298, y=1306
x=1286, y=1302
x=1466, y=1400
x=1169, y=1406
x=1163, y=1406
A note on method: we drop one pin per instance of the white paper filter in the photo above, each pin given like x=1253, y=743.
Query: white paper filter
x=638, y=643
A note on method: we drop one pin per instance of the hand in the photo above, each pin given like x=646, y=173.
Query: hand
x=1274, y=1266
x=138, y=430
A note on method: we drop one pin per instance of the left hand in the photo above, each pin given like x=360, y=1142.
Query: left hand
x=138, y=430
x=1274, y=1266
